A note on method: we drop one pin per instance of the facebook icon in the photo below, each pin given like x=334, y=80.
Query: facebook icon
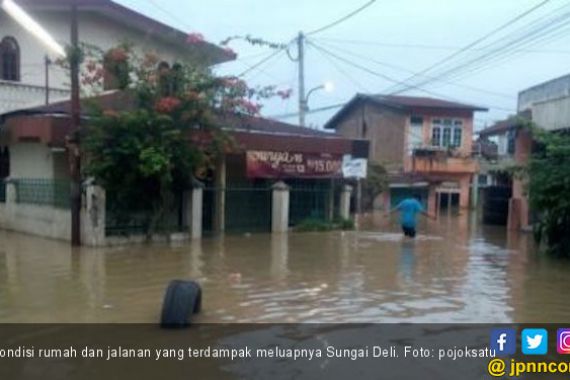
x=503, y=341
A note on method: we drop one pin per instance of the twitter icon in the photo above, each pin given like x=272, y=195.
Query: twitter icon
x=534, y=341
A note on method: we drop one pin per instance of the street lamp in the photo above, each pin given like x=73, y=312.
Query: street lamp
x=304, y=106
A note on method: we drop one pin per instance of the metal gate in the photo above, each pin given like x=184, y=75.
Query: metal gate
x=496, y=205
x=310, y=199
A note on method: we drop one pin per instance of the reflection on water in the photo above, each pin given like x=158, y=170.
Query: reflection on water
x=455, y=271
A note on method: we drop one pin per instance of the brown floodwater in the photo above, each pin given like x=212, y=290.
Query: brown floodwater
x=455, y=271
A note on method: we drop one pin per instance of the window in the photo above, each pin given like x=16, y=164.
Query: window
x=446, y=139
x=436, y=136
x=447, y=133
x=9, y=59
x=415, y=135
x=457, y=135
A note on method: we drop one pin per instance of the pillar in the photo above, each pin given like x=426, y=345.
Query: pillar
x=464, y=188
x=345, y=201
x=93, y=216
x=330, y=202
x=432, y=201
x=220, y=196
x=193, y=206
x=280, y=208
x=475, y=192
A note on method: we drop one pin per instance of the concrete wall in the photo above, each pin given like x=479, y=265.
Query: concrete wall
x=553, y=89
x=385, y=129
x=36, y=160
x=552, y=114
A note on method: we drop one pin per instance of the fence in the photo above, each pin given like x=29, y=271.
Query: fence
x=43, y=192
x=122, y=222
x=248, y=209
x=309, y=200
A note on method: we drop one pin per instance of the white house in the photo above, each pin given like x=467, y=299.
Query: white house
x=28, y=154
x=102, y=23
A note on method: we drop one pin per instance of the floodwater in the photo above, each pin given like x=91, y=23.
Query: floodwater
x=455, y=271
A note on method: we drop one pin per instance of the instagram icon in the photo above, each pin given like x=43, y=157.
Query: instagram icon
x=563, y=341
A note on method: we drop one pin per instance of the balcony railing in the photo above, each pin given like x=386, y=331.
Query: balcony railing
x=442, y=160
x=15, y=95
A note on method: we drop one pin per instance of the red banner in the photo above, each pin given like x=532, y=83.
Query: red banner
x=269, y=164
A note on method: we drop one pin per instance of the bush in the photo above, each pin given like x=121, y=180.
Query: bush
x=319, y=225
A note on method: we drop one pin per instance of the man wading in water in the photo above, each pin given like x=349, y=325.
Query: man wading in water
x=409, y=208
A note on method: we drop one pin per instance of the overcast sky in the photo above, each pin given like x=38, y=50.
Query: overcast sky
x=392, y=38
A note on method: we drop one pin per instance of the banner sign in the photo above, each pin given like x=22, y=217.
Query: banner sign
x=270, y=164
x=354, y=167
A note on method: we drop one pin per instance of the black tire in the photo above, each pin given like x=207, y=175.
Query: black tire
x=182, y=299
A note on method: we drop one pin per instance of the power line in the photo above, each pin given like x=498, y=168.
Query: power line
x=388, y=78
x=261, y=62
x=428, y=46
x=479, y=40
x=537, y=31
x=504, y=95
x=342, y=19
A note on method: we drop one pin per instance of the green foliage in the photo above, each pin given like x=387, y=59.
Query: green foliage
x=147, y=154
x=548, y=187
x=375, y=183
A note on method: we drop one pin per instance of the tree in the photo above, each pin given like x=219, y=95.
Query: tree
x=376, y=182
x=146, y=154
x=548, y=187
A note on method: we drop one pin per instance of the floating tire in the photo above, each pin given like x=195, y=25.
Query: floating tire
x=182, y=299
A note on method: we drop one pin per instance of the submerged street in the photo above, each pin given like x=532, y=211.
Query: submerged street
x=455, y=271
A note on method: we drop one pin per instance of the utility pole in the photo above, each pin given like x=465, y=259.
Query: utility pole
x=74, y=153
x=301, y=61
x=47, y=62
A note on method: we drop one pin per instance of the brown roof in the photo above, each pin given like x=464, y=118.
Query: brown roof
x=407, y=103
x=119, y=101
x=503, y=126
x=423, y=102
x=133, y=19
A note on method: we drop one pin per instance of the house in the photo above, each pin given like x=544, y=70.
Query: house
x=424, y=143
x=28, y=74
x=547, y=105
x=277, y=176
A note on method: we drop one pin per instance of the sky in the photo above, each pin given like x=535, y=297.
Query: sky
x=384, y=45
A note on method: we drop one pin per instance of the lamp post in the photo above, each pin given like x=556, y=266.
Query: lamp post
x=304, y=103
x=35, y=29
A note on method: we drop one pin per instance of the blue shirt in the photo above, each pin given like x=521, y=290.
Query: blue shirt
x=408, y=209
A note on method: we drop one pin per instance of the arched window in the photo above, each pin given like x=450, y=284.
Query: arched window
x=9, y=59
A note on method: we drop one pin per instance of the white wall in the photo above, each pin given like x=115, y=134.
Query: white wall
x=94, y=29
x=31, y=160
x=553, y=114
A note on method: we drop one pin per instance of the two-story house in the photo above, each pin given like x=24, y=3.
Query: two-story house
x=28, y=80
x=424, y=143
x=28, y=76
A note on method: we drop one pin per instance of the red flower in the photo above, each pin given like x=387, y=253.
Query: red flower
x=285, y=94
x=194, y=38
x=167, y=104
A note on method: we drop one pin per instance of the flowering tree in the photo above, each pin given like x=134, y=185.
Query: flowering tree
x=147, y=153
